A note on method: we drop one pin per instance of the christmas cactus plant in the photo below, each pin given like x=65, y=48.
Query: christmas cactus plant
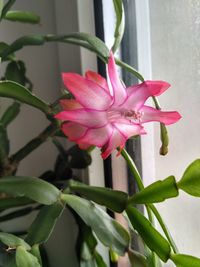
x=94, y=111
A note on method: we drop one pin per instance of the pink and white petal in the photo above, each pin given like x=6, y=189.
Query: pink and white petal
x=119, y=91
x=88, y=118
x=87, y=93
x=137, y=95
x=95, y=77
x=73, y=130
x=97, y=137
x=116, y=140
x=152, y=114
x=129, y=130
x=70, y=104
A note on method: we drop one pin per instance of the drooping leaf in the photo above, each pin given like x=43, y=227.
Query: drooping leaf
x=18, y=92
x=94, y=42
x=15, y=71
x=30, y=187
x=6, y=203
x=25, y=258
x=112, y=199
x=120, y=23
x=84, y=39
x=10, y=114
x=44, y=224
x=156, y=192
x=190, y=182
x=108, y=231
x=152, y=238
x=22, y=16
x=21, y=42
x=12, y=241
x=182, y=260
x=137, y=259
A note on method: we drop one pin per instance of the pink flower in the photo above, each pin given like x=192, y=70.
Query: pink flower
x=106, y=116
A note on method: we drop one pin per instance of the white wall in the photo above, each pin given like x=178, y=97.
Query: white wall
x=44, y=64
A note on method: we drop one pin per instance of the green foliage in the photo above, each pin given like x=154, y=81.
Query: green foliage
x=120, y=23
x=86, y=40
x=15, y=71
x=108, y=231
x=43, y=225
x=22, y=16
x=182, y=260
x=6, y=8
x=35, y=251
x=21, y=42
x=152, y=238
x=92, y=221
x=12, y=241
x=18, y=92
x=112, y=199
x=6, y=203
x=164, y=139
x=16, y=214
x=3, y=47
x=10, y=114
x=99, y=260
x=190, y=182
x=156, y=192
x=30, y=187
x=25, y=258
x=137, y=259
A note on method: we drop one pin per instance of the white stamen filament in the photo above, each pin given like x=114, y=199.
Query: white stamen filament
x=131, y=115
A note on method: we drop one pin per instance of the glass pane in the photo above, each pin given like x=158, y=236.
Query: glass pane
x=175, y=52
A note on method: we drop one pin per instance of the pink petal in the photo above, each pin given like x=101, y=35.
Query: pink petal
x=119, y=91
x=137, y=95
x=129, y=130
x=152, y=114
x=85, y=117
x=87, y=93
x=116, y=140
x=95, y=77
x=97, y=137
x=70, y=104
x=73, y=130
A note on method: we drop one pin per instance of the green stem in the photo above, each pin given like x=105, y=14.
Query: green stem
x=140, y=185
x=164, y=228
x=34, y=143
x=150, y=208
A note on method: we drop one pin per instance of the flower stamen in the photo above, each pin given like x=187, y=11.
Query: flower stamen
x=132, y=115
